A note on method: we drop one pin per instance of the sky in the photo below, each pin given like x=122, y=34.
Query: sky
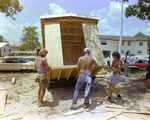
x=109, y=14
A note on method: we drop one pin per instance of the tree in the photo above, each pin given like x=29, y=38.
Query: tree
x=29, y=39
x=140, y=34
x=2, y=39
x=10, y=7
x=140, y=10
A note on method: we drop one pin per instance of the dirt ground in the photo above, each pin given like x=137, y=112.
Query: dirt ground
x=22, y=99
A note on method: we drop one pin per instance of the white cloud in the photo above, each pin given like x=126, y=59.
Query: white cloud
x=115, y=10
x=56, y=9
x=9, y=31
x=109, y=22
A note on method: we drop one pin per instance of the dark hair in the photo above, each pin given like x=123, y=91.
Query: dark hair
x=116, y=54
x=127, y=53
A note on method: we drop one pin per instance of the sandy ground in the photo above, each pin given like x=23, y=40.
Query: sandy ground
x=22, y=100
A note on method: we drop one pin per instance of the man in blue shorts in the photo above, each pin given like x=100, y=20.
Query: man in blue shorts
x=116, y=68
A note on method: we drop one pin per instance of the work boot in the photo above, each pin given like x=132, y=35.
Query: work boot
x=73, y=107
x=86, y=106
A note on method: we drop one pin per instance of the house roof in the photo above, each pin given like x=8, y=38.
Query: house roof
x=3, y=44
x=124, y=38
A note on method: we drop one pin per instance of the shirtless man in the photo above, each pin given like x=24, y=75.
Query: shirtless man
x=116, y=68
x=85, y=64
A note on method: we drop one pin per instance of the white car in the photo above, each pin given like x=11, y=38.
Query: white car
x=18, y=64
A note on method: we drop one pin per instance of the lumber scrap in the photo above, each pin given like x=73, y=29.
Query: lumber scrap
x=103, y=72
x=107, y=117
x=122, y=107
x=2, y=101
x=8, y=115
x=11, y=91
x=72, y=112
x=18, y=118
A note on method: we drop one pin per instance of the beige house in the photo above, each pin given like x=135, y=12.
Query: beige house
x=5, y=48
x=136, y=46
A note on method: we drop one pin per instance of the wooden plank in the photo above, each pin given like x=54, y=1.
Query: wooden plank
x=74, y=53
x=107, y=117
x=66, y=55
x=48, y=75
x=2, y=101
x=8, y=115
x=59, y=74
x=53, y=44
x=71, y=41
x=69, y=73
x=93, y=74
x=73, y=112
x=67, y=29
x=71, y=27
x=92, y=41
x=72, y=34
x=121, y=107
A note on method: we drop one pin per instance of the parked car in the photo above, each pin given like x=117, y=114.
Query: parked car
x=141, y=63
x=147, y=58
x=18, y=64
x=23, y=54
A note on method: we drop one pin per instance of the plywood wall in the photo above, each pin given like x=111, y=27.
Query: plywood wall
x=92, y=41
x=71, y=53
x=53, y=44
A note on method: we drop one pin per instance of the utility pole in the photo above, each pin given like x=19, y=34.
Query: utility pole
x=121, y=25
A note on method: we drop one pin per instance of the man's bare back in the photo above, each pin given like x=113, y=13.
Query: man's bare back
x=85, y=64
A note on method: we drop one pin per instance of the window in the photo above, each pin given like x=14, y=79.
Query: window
x=128, y=51
x=9, y=50
x=4, y=50
x=129, y=43
x=140, y=43
x=103, y=42
x=122, y=42
x=122, y=51
x=21, y=54
x=139, y=51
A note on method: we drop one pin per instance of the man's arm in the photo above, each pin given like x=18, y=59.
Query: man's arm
x=78, y=64
x=46, y=64
x=95, y=64
x=112, y=65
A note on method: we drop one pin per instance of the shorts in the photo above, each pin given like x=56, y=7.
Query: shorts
x=45, y=83
x=115, y=78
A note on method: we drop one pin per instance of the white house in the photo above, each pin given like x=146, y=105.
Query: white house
x=5, y=48
x=136, y=46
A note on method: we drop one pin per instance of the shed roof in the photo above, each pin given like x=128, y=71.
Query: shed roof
x=69, y=15
x=2, y=44
x=70, y=24
x=124, y=38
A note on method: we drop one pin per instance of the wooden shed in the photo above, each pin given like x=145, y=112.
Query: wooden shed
x=65, y=36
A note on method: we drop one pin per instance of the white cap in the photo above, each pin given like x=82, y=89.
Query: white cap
x=87, y=50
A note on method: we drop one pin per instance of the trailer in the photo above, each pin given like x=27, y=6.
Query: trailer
x=65, y=36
